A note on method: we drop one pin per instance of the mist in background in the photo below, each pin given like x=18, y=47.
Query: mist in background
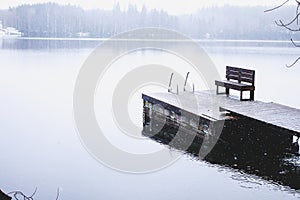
x=216, y=22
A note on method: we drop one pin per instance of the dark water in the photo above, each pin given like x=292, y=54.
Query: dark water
x=245, y=145
x=40, y=147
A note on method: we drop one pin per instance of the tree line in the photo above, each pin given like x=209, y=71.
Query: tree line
x=227, y=22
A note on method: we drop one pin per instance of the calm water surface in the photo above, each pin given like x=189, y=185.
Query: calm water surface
x=40, y=147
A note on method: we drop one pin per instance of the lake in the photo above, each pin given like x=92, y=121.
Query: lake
x=40, y=147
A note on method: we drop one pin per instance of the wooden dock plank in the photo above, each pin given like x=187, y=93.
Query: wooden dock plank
x=270, y=113
x=207, y=104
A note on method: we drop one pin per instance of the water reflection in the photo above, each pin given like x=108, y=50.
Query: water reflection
x=265, y=159
x=46, y=43
x=82, y=43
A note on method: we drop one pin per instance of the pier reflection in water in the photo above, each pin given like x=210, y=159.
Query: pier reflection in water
x=278, y=166
x=244, y=144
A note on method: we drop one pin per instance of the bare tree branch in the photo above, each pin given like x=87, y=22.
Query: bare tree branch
x=297, y=11
x=286, y=27
x=289, y=66
x=277, y=6
x=296, y=45
x=19, y=194
x=33, y=193
x=292, y=25
x=16, y=195
x=291, y=21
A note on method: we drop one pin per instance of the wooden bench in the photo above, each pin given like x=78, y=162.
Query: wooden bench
x=238, y=79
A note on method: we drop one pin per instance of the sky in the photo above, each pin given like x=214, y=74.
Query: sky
x=171, y=6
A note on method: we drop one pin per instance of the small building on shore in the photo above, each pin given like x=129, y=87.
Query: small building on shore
x=9, y=31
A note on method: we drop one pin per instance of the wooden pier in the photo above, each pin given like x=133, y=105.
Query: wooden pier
x=265, y=127
x=272, y=114
x=256, y=137
x=212, y=106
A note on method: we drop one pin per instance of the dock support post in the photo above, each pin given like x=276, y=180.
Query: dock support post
x=295, y=146
x=241, y=96
x=252, y=95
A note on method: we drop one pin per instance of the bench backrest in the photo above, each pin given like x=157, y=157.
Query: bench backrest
x=240, y=74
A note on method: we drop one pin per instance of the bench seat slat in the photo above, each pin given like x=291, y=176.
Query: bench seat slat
x=239, y=69
x=248, y=75
x=242, y=78
x=234, y=85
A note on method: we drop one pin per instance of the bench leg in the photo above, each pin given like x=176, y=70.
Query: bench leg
x=227, y=91
x=251, y=95
x=217, y=91
x=241, y=96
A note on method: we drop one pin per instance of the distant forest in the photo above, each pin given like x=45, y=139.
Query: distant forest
x=228, y=22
